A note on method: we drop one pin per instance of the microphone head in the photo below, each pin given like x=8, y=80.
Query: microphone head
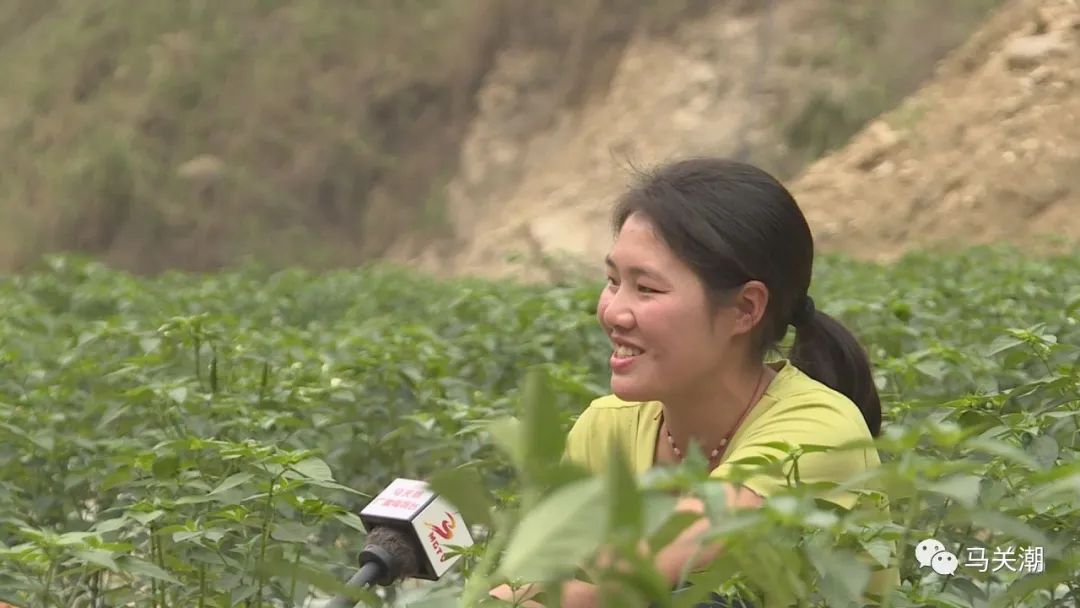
x=400, y=551
x=429, y=523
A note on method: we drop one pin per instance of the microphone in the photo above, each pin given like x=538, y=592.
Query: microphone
x=409, y=528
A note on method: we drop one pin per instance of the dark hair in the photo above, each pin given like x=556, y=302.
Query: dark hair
x=731, y=223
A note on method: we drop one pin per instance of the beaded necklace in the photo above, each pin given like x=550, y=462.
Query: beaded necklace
x=714, y=455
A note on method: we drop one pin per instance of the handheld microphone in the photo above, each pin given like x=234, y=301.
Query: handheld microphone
x=409, y=530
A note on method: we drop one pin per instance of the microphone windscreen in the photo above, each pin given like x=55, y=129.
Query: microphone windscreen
x=396, y=543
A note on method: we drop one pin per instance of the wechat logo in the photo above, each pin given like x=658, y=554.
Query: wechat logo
x=933, y=554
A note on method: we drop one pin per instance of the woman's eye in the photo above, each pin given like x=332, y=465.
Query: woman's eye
x=644, y=289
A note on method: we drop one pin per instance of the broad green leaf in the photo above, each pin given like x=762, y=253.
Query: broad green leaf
x=178, y=394
x=964, y=489
x=166, y=467
x=350, y=520
x=290, y=532
x=231, y=482
x=880, y=550
x=96, y=556
x=506, y=433
x=1046, y=450
x=145, y=517
x=139, y=567
x=109, y=525
x=315, y=468
x=1004, y=450
x=843, y=578
x=624, y=501
x=564, y=529
x=543, y=438
x=464, y=488
x=320, y=578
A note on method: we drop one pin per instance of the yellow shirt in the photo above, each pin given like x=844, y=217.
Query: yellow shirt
x=794, y=408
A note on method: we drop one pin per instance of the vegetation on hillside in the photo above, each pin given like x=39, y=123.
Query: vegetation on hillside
x=190, y=135
x=205, y=440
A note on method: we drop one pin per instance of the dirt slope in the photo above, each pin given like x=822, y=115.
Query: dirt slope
x=988, y=151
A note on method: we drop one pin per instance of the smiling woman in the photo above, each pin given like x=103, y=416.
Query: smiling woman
x=711, y=264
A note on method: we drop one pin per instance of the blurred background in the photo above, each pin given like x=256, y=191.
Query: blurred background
x=455, y=136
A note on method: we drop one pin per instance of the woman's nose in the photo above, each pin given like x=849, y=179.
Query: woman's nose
x=614, y=310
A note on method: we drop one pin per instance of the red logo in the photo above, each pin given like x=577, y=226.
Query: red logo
x=446, y=528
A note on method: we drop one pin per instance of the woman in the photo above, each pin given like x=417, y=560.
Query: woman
x=711, y=264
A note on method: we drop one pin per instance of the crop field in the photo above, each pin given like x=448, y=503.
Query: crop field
x=207, y=440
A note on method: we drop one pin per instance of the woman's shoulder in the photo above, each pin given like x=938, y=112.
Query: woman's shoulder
x=610, y=410
x=613, y=402
x=793, y=392
x=608, y=421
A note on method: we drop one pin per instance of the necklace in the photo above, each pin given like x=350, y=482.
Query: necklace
x=717, y=451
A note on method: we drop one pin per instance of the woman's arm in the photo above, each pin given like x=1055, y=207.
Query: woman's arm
x=671, y=560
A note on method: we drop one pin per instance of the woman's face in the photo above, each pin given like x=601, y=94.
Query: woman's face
x=655, y=312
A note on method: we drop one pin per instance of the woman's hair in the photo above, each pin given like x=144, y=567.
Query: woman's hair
x=732, y=223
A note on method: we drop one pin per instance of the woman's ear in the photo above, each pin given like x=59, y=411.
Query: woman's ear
x=750, y=304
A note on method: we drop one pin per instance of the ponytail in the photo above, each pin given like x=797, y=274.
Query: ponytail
x=827, y=352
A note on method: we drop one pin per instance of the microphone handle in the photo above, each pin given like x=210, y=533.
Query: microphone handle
x=364, y=577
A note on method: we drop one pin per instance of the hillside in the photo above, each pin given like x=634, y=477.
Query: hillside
x=986, y=151
x=190, y=136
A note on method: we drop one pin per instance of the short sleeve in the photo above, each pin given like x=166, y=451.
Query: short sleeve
x=804, y=421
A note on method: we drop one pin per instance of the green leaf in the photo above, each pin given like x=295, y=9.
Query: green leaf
x=97, y=556
x=880, y=550
x=625, y=516
x=134, y=565
x=843, y=577
x=1004, y=450
x=166, y=467
x=314, y=468
x=323, y=580
x=145, y=517
x=673, y=526
x=1013, y=527
x=231, y=482
x=1002, y=344
x=556, y=536
x=109, y=525
x=964, y=489
x=1045, y=449
x=465, y=490
x=350, y=520
x=506, y=433
x=542, y=434
x=290, y=532
x=178, y=394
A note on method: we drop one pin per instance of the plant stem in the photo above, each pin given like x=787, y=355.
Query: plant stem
x=292, y=584
x=153, y=558
x=202, y=586
x=47, y=591
x=902, y=548
x=198, y=359
x=268, y=523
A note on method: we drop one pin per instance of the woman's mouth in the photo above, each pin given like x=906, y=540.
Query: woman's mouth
x=624, y=357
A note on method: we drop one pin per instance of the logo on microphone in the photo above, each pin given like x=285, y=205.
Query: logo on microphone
x=444, y=530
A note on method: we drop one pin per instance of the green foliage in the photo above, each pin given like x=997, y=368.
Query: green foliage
x=868, y=38
x=206, y=440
